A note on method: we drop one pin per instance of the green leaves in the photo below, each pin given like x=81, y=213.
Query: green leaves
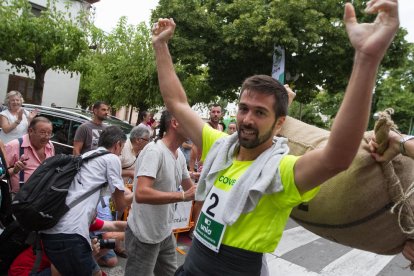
x=51, y=40
x=122, y=69
x=233, y=39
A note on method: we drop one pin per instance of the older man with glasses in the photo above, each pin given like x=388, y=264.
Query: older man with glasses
x=25, y=154
x=139, y=137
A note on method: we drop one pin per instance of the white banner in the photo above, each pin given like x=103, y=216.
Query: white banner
x=278, y=68
x=182, y=212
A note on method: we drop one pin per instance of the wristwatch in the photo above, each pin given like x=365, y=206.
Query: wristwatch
x=402, y=142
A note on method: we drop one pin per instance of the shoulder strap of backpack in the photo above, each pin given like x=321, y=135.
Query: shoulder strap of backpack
x=95, y=154
x=37, y=251
x=84, y=196
x=21, y=152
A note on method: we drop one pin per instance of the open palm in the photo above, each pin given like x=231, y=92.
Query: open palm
x=374, y=38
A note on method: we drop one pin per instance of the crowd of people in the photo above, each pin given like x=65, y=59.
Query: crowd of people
x=242, y=179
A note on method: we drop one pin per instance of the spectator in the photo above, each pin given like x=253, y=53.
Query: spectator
x=160, y=170
x=138, y=139
x=186, y=150
x=231, y=128
x=248, y=179
x=36, y=148
x=215, y=117
x=14, y=120
x=196, y=164
x=87, y=135
x=23, y=264
x=70, y=236
x=145, y=119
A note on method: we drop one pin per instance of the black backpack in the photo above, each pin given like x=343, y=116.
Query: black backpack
x=41, y=202
x=13, y=241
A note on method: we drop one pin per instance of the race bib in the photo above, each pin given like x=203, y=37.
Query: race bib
x=210, y=226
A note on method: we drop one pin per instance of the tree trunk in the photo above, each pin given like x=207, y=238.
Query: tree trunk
x=39, y=84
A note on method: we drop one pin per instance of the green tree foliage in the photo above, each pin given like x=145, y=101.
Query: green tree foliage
x=122, y=69
x=234, y=39
x=396, y=90
x=53, y=40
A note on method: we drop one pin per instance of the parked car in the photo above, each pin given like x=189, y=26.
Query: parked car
x=67, y=120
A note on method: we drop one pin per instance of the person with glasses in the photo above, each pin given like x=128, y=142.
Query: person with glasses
x=139, y=137
x=25, y=154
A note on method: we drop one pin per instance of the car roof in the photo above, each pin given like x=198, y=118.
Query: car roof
x=80, y=115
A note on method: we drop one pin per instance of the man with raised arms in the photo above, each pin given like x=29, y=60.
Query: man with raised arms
x=249, y=182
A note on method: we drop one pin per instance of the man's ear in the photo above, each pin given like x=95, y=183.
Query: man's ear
x=278, y=125
x=174, y=122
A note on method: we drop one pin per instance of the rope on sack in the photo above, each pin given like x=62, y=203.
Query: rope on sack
x=382, y=127
x=401, y=206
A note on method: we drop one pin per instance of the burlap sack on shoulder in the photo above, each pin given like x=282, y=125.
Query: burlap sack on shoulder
x=354, y=207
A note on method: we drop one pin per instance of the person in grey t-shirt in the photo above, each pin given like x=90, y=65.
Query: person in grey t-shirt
x=87, y=134
x=160, y=170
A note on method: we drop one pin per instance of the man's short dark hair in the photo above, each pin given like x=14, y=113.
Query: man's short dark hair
x=269, y=86
x=39, y=119
x=110, y=136
x=98, y=104
x=214, y=105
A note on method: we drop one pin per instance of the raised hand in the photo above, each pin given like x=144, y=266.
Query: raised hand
x=163, y=30
x=20, y=114
x=33, y=114
x=373, y=39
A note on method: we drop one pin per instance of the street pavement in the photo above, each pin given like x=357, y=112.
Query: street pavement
x=302, y=253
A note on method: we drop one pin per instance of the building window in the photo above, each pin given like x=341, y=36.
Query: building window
x=24, y=86
x=36, y=9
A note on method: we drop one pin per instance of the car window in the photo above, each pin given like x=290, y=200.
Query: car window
x=60, y=128
x=72, y=130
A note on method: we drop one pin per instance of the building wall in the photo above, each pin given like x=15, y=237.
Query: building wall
x=59, y=87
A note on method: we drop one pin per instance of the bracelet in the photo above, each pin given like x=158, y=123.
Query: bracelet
x=183, y=195
x=402, y=142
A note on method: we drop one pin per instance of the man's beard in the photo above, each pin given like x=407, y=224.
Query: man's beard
x=215, y=119
x=258, y=140
x=102, y=118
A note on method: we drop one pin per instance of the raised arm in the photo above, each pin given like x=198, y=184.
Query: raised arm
x=172, y=91
x=370, y=42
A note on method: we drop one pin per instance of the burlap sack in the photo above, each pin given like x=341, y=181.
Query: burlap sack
x=353, y=208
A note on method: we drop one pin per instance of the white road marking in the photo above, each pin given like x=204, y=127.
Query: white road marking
x=278, y=266
x=357, y=262
x=294, y=238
